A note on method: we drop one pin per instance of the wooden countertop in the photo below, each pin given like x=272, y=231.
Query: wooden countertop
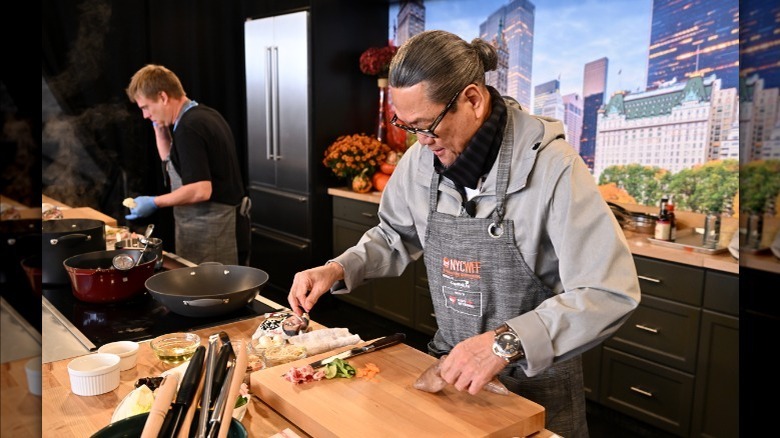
x=65, y=414
x=639, y=245
x=20, y=410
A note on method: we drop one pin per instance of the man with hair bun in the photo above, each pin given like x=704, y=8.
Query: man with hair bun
x=526, y=264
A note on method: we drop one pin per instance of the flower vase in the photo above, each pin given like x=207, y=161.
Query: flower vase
x=381, y=128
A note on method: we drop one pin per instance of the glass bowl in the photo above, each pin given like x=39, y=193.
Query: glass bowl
x=175, y=348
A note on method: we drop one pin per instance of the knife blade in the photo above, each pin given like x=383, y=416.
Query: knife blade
x=376, y=345
x=185, y=395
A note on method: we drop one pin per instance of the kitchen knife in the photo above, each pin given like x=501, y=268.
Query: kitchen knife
x=376, y=345
x=185, y=395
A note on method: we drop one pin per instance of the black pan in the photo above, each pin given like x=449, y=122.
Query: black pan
x=206, y=290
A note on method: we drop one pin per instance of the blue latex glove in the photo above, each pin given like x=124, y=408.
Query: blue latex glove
x=144, y=206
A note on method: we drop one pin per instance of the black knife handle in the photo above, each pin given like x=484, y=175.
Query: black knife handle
x=187, y=389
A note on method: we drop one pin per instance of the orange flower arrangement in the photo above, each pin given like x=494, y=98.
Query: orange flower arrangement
x=352, y=155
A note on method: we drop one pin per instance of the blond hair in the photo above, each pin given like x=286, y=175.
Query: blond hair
x=152, y=79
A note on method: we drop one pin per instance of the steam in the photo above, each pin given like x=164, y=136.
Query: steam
x=76, y=165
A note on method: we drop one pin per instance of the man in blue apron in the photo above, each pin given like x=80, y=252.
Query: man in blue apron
x=196, y=145
x=527, y=266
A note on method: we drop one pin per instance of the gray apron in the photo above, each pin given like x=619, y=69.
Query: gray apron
x=206, y=231
x=478, y=280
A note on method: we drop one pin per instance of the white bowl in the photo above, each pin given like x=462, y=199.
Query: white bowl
x=33, y=371
x=126, y=350
x=94, y=374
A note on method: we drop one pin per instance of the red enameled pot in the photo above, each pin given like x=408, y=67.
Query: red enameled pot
x=95, y=280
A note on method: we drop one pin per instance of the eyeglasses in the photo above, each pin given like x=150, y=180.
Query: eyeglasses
x=426, y=132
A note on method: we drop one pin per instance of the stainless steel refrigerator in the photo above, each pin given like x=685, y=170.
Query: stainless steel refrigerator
x=304, y=89
x=278, y=130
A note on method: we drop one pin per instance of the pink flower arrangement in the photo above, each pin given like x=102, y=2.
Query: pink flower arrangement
x=376, y=60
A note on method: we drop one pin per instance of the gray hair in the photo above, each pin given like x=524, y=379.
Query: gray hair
x=443, y=60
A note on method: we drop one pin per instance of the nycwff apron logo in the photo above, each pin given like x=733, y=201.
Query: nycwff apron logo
x=461, y=268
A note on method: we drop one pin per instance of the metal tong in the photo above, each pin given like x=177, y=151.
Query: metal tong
x=205, y=402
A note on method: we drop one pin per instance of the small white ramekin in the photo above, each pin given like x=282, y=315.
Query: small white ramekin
x=94, y=374
x=126, y=350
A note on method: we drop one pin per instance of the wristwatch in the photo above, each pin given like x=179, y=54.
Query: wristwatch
x=507, y=344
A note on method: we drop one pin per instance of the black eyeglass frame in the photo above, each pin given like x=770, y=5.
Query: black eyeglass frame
x=429, y=131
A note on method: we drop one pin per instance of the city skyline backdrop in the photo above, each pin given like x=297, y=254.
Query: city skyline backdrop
x=567, y=35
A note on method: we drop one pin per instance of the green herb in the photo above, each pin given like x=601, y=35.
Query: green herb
x=339, y=368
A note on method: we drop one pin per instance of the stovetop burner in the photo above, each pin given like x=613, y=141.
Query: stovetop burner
x=134, y=320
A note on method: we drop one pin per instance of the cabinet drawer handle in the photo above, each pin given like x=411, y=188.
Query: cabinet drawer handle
x=368, y=215
x=433, y=315
x=646, y=328
x=641, y=391
x=651, y=279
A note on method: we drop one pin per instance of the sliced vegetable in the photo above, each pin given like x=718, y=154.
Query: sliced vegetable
x=339, y=368
x=368, y=372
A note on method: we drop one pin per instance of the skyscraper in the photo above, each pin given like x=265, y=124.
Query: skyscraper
x=694, y=38
x=594, y=85
x=497, y=78
x=548, y=101
x=759, y=41
x=411, y=20
x=572, y=119
x=517, y=20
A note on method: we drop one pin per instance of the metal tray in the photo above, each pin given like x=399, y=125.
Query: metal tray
x=690, y=240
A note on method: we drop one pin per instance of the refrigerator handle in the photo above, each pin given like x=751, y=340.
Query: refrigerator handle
x=268, y=104
x=277, y=149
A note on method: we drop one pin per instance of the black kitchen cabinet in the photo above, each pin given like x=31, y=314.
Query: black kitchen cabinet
x=674, y=363
x=404, y=299
x=717, y=374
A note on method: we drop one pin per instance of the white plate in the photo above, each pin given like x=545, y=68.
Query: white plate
x=117, y=415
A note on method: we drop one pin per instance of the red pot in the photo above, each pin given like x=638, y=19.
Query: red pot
x=94, y=279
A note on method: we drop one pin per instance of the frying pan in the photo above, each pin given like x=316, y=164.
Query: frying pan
x=206, y=290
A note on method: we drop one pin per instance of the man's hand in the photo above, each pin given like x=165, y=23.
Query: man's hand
x=144, y=206
x=472, y=363
x=309, y=285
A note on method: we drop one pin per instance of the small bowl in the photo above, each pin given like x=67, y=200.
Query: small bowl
x=175, y=348
x=94, y=374
x=126, y=350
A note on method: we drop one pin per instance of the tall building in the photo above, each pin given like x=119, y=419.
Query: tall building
x=516, y=19
x=411, y=20
x=670, y=127
x=594, y=85
x=548, y=101
x=759, y=120
x=497, y=78
x=572, y=119
x=759, y=41
x=694, y=38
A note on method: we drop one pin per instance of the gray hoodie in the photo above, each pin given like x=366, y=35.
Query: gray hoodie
x=563, y=228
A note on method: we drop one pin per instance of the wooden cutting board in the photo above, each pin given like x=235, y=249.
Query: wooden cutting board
x=389, y=405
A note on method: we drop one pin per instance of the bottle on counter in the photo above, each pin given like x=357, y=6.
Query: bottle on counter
x=672, y=220
x=662, y=224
